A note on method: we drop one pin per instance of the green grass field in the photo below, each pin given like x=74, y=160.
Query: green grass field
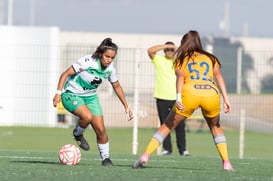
x=29, y=153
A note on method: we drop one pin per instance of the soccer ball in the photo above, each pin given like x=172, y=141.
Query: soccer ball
x=69, y=155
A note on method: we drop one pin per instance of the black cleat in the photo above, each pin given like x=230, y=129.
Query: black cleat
x=106, y=162
x=81, y=142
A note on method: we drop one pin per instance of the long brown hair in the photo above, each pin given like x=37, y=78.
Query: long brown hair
x=104, y=45
x=189, y=44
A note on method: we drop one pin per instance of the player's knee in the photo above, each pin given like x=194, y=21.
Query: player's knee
x=87, y=118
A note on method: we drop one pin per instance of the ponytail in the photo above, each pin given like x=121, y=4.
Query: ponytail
x=105, y=45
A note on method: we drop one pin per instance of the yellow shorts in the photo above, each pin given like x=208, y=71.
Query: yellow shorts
x=210, y=105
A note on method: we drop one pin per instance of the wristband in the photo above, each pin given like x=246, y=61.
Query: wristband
x=59, y=92
x=178, y=97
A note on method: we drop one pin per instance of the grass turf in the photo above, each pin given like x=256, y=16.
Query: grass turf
x=28, y=153
x=27, y=165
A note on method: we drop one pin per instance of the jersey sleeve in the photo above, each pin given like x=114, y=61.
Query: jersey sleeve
x=155, y=59
x=113, y=77
x=82, y=63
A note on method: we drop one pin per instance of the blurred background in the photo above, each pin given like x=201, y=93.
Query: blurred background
x=41, y=38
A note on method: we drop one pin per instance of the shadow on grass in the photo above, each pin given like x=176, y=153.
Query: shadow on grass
x=159, y=167
x=115, y=165
x=36, y=162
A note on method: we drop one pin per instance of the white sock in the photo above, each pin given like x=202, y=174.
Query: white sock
x=104, y=150
x=78, y=130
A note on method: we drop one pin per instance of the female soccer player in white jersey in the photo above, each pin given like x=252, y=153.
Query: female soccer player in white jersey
x=77, y=90
x=195, y=71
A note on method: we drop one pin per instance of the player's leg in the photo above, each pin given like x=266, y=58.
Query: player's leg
x=102, y=139
x=97, y=124
x=158, y=137
x=85, y=117
x=211, y=112
x=76, y=105
x=220, y=141
x=190, y=103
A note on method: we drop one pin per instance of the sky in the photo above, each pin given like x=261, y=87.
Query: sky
x=252, y=18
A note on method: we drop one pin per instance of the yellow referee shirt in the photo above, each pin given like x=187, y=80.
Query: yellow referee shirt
x=165, y=85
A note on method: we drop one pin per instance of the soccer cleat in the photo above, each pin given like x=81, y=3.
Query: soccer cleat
x=227, y=165
x=141, y=161
x=81, y=142
x=165, y=153
x=106, y=162
x=185, y=153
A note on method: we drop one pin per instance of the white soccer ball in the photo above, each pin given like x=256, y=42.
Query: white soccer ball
x=69, y=155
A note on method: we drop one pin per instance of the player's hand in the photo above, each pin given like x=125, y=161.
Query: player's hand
x=227, y=106
x=56, y=99
x=179, y=105
x=178, y=102
x=129, y=114
x=171, y=46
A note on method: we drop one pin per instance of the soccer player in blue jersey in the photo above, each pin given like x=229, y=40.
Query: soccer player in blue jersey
x=77, y=90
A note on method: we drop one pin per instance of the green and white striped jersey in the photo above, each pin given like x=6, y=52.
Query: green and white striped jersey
x=89, y=75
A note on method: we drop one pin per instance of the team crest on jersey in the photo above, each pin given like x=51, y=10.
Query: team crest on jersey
x=75, y=102
x=107, y=74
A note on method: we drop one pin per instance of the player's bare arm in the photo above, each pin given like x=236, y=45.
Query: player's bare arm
x=120, y=93
x=222, y=86
x=63, y=77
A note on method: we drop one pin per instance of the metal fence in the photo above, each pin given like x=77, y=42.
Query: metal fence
x=32, y=75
